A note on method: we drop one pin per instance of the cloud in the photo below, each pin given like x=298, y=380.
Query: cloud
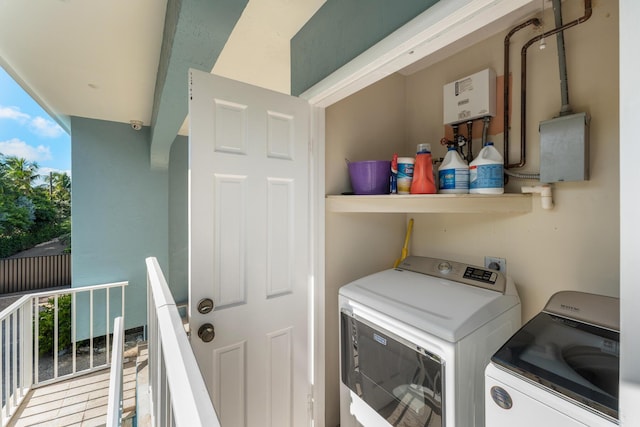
x=44, y=127
x=38, y=125
x=18, y=148
x=14, y=113
x=45, y=171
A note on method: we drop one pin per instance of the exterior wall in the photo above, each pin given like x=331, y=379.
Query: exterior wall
x=119, y=210
x=574, y=246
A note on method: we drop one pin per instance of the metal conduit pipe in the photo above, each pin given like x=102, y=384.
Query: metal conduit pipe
x=562, y=60
x=523, y=81
x=522, y=175
x=507, y=40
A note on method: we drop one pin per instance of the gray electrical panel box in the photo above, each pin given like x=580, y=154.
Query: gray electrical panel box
x=564, y=148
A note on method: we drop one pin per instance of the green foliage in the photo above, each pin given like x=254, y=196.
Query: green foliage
x=31, y=213
x=60, y=192
x=20, y=241
x=65, y=238
x=47, y=322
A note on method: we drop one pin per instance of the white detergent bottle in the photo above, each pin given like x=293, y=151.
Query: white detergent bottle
x=453, y=174
x=486, y=174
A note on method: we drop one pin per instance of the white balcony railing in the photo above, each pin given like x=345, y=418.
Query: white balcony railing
x=178, y=392
x=42, y=342
x=114, y=406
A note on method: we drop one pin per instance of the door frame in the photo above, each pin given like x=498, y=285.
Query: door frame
x=438, y=32
x=629, y=211
x=316, y=251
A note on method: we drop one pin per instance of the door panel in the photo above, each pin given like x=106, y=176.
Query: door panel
x=249, y=249
x=280, y=239
x=229, y=368
x=229, y=262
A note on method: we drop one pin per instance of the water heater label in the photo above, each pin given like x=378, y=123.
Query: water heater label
x=464, y=85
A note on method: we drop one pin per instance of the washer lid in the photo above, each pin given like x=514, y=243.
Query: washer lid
x=577, y=360
x=444, y=308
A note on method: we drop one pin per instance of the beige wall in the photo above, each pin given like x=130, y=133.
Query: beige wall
x=370, y=125
x=574, y=246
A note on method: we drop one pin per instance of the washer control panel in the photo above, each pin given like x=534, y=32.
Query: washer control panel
x=456, y=271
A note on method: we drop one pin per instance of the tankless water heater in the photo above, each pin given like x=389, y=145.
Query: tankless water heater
x=470, y=98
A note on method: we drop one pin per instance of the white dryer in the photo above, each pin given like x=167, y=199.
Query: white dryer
x=561, y=368
x=415, y=341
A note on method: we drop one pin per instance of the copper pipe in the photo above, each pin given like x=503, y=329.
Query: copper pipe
x=507, y=39
x=523, y=78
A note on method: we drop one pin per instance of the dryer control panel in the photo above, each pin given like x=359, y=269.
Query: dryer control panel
x=456, y=271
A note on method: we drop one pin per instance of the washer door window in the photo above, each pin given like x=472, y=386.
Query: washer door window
x=399, y=380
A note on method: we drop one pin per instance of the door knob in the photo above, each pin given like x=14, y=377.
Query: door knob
x=207, y=332
x=205, y=305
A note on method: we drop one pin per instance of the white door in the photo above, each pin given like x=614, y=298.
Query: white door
x=249, y=234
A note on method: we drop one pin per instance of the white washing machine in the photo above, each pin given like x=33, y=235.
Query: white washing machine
x=561, y=368
x=415, y=341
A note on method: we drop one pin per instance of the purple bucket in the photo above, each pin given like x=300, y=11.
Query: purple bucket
x=370, y=176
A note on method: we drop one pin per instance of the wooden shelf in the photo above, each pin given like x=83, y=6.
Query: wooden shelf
x=431, y=203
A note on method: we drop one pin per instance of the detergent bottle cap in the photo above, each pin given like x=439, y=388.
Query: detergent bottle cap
x=424, y=148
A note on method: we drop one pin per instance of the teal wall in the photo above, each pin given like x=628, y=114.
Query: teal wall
x=119, y=211
x=341, y=30
x=178, y=277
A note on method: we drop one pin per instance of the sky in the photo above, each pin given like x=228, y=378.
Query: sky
x=27, y=131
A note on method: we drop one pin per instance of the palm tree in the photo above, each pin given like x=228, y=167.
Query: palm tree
x=60, y=191
x=21, y=174
x=3, y=167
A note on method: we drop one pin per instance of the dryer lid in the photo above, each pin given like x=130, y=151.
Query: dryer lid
x=444, y=308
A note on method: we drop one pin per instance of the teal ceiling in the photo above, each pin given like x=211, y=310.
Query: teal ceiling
x=341, y=30
x=195, y=31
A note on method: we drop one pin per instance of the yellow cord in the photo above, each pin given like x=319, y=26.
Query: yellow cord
x=405, y=248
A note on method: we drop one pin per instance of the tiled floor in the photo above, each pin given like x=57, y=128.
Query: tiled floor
x=81, y=401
